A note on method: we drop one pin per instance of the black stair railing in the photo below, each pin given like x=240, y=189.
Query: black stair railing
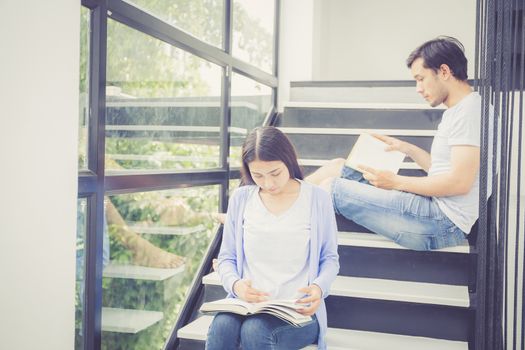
x=500, y=62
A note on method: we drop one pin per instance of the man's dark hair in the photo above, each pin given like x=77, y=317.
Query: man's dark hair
x=442, y=50
x=268, y=143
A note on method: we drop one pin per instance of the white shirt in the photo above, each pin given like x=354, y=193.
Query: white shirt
x=276, y=247
x=460, y=125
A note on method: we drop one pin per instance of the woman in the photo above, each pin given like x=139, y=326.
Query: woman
x=279, y=242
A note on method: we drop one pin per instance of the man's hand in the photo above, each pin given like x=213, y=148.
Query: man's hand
x=393, y=143
x=312, y=297
x=243, y=289
x=379, y=178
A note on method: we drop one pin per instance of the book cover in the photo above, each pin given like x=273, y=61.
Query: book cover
x=284, y=309
x=370, y=151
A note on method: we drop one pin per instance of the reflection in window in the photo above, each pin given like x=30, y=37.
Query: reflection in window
x=200, y=18
x=158, y=240
x=83, y=113
x=80, y=271
x=253, y=32
x=163, y=105
x=250, y=102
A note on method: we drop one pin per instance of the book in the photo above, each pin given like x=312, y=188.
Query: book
x=286, y=310
x=370, y=151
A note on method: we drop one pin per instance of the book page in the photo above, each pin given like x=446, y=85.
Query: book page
x=370, y=152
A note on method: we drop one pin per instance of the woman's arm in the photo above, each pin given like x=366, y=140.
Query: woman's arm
x=227, y=259
x=328, y=256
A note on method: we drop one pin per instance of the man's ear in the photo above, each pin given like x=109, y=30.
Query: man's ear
x=445, y=71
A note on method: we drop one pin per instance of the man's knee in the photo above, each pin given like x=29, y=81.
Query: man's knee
x=337, y=162
x=326, y=184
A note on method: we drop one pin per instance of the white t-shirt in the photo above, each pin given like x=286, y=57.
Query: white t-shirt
x=276, y=248
x=460, y=125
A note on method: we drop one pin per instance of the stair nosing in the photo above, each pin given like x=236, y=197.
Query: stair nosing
x=372, y=240
x=384, y=289
x=362, y=105
x=338, y=338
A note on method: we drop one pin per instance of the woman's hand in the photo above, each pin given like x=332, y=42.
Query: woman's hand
x=243, y=289
x=393, y=143
x=313, y=294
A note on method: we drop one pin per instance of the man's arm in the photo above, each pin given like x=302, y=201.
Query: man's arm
x=418, y=155
x=457, y=181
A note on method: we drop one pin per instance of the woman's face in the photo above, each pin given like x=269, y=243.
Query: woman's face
x=271, y=176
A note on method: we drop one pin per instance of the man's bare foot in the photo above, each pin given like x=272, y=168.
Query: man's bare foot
x=219, y=217
x=215, y=264
x=146, y=254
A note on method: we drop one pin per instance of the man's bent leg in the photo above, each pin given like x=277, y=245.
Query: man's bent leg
x=330, y=169
x=410, y=220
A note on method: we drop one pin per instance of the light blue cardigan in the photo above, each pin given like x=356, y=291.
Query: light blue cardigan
x=323, y=257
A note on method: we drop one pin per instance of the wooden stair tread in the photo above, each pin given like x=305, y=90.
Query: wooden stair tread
x=141, y=272
x=339, y=339
x=383, y=289
x=127, y=320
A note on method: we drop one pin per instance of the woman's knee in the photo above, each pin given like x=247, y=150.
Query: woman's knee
x=256, y=333
x=224, y=331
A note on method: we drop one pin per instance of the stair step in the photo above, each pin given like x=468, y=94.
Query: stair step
x=127, y=320
x=339, y=339
x=360, y=239
x=321, y=162
x=141, y=272
x=392, y=290
x=166, y=230
x=361, y=105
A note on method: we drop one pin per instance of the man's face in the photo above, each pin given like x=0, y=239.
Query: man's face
x=428, y=83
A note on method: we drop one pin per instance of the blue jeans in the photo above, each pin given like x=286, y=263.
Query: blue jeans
x=411, y=220
x=258, y=332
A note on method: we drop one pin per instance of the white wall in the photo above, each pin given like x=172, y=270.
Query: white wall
x=370, y=40
x=295, y=44
x=364, y=40
x=38, y=182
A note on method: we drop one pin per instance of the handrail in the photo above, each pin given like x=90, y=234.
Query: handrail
x=195, y=292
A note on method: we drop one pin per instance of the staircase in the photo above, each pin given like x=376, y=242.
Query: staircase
x=386, y=296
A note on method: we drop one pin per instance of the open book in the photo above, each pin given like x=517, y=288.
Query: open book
x=284, y=309
x=370, y=151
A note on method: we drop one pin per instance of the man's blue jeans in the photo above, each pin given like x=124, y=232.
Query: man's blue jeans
x=258, y=332
x=411, y=220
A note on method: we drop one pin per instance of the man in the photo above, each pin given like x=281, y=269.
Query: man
x=437, y=210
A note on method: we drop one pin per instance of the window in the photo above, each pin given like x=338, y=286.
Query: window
x=157, y=240
x=163, y=105
x=152, y=154
x=250, y=102
x=200, y=18
x=253, y=32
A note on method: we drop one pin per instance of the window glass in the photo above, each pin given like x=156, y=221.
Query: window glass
x=163, y=105
x=83, y=110
x=250, y=102
x=200, y=18
x=80, y=272
x=253, y=32
x=157, y=242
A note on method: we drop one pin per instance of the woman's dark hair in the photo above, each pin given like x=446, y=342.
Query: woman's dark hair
x=268, y=143
x=442, y=50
